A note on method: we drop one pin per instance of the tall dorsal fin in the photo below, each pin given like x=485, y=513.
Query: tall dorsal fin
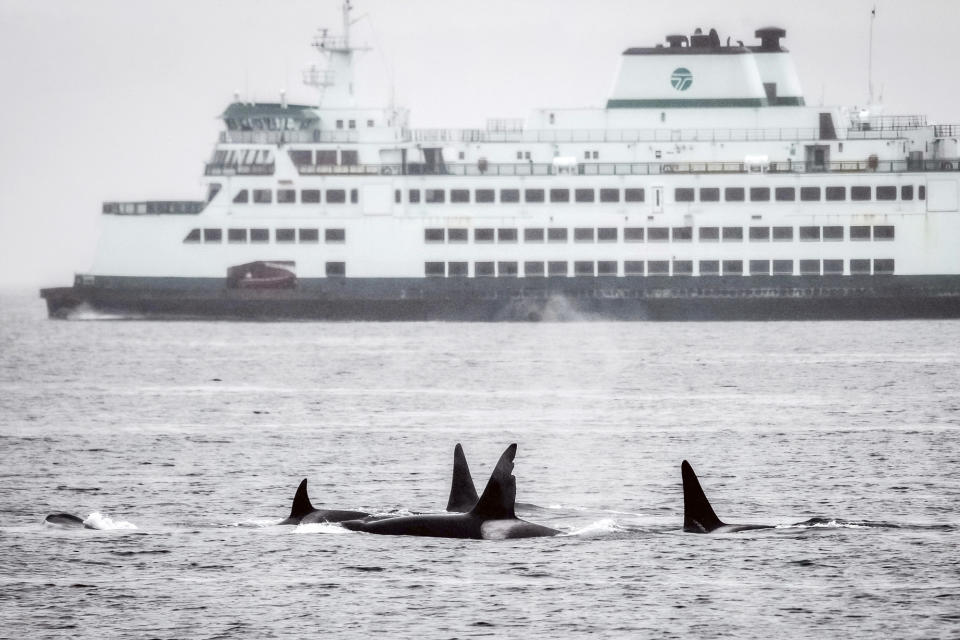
x=698, y=515
x=500, y=495
x=463, y=495
x=301, y=502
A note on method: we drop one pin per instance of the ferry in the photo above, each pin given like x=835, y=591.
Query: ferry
x=705, y=188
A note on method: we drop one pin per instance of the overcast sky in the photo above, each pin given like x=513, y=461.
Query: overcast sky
x=118, y=99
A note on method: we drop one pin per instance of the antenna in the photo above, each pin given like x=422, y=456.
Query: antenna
x=873, y=17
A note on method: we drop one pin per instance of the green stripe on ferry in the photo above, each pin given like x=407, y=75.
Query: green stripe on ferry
x=689, y=103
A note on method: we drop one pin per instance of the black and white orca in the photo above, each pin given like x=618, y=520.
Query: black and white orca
x=698, y=515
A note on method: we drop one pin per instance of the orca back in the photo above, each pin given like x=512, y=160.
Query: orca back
x=500, y=495
x=64, y=520
x=698, y=515
x=463, y=494
x=301, y=503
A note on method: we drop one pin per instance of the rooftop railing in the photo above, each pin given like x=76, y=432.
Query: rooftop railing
x=154, y=207
x=239, y=169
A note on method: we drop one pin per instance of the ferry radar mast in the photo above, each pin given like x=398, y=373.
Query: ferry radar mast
x=335, y=79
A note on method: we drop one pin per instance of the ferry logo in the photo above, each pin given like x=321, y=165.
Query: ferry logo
x=681, y=79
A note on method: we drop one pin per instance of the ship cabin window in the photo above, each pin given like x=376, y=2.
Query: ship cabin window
x=883, y=267
x=327, y=157
x=835, y=194
x=434, y=269
x=610, y=195
x=906, y=192
x=242, y=197
x=483, y=235
x=484, y=195
x=457, y=236
x=759, y=234
x=658, y=267
x=262, y=196
x=457, y=269
x=709, y=267
x=833, y=267
x=633, y=195
x=286, y=196
x=506, y=235
x=733, y=194
x=354, y=196
x=683, y=194
x=833, y=233
x=212, y=235
x=682, y=234
x=533, y=269
x=710, y=194
x=809, y=234
x=733, y=267
x=759, y=267
x=310, y=196
x=584, y=195
x=336, y=269
x=309, y=236
x=533, y=235
x=783, y=267
x=556, y=234
x=459, y=195
x=285, y=235
x=413, y=197
x=352, y=124
x=859, y=267
x=607, y=268
x=335, y=235
x=369, y=124
x=259, y=236
x=533, y=195
x=883, y=232
x=336, y=196
x=759, y=194
x=519, y=155
x=584, y=268
x=709, y=234
x=860, y=193
x=237, y=236
x=339, y=124
x=809, y=267
x=509, y=195
x=193, y=236
x=507, y=270
x=886, y=193
x=658, y=234
x=785, y=194
x=922, y=192
x=483, y=269
x=633, y=268
x=349, y=157
x=461, y=155
x=860, y=232
x=607, y=234
x=397, y=196
x=633, y=234
x=810, y=194
x=434, y=196
x=683, y=267
x=583, y=234
x=301, y=157
x=782, y=234
x=434, y=235
x=733, y=234
x=557, y=268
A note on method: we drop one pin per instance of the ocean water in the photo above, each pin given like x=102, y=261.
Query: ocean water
x=187, y=441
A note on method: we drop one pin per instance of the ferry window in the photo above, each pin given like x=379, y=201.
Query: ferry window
x=836, y=193
x=906, y=192
x=242, y=197
x=759, y=267
x=810, y=194
x=310, y=236
x=262, y=196
x=809, y=267
x=519, y=155
x=533, y=195
x=336, y=196
x=327, y=156
x=509, y=195
x=586, y=155
x=507, y=269
x=461, y=155
x=413, y=197
x=584, y=195
x=607, y=268
x=354, y=196
x=922, y=192
x=833, y=233
x=633, y=268
x=733, y=267
x=193, y=236
x=783, y=233
x=833, y=267
x=484, y=195
x=682, y=234
x=556, y=234
x=434, y=269
x=607, y=234
x=459, y=195
x=483, y=269
x=335, y=235
x=709, y=267
x=212, y=235
x=732, y=234
x=533, y=269
x=860, y=193
x=286, y=196
x=310, y=195
x=886, y=193
x=583, y=234
x=301, y=157
x=783, y=267
x=559, y=195
x=369, y=123
x=533, y=235
x=483, y=235
x=709, y=234
x=434, y=235
x=683, y=194
x=456, y=235
x=759, y=194
x=786, y=194
x=733, y=194
x=285, y=235
x=633, y=195
x=236, y=235
x=860, y=232
x=658, y=234
x=434, y=196
x=557, y=268
x=884, y=267
x=610, y=195
x=352, y=124
x=583, y=268
x=759, y=234
x=859, y=267
x=336, y=269
x=683, y=267
x=457, y=269
x=809, y=233
x=658, y=267
x=506, y=235
x=339, y=124
x=883, y=232
x=259, y=236
x=633, y=234
x=710, y=194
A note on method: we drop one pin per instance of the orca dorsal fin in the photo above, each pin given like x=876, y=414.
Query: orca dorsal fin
x=698, y=515
x=463, y=495
x=301, y=502
x=500, y=494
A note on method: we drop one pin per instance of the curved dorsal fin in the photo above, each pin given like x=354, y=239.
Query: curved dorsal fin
x=500, y=495
x=463, y=495
x=698, y=515
x=301, y=502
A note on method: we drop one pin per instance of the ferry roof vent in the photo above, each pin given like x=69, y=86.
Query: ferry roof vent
x=677, y=41
x=770, y=38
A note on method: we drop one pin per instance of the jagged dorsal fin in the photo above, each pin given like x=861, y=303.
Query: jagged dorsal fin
x=698, y=515
x=463, y=495
x=301, y=502
x=500, y=495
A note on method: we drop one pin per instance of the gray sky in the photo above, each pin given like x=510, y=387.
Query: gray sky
x=118, y=100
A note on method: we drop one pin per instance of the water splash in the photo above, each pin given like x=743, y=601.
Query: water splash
x=320, y=527
x=598, y=528
x=97, y=520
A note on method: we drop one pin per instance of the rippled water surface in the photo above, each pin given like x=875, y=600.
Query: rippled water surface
x=198, y=433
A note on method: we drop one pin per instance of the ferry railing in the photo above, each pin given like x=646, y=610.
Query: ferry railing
x=213, y=169
x=154, y=207
x=289, y=137
x=946, y=130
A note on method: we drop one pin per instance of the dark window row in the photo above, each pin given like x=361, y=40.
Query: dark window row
x=325, y=157
x=262, y=236
x=489, y=196
x=532, y=269
x=806, y=194
x=289, y=196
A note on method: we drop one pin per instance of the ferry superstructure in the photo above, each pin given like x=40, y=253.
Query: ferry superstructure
x=705, y=188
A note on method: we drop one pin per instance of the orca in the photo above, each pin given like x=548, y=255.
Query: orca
x=66, y=520
x=491, y=518
x=698, y=515
x=463, y=494
x=303, y=512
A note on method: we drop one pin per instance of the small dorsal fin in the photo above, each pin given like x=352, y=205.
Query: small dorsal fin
x=500, y=495
x=463, y=495
x=698, y=515
x=301, y=502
